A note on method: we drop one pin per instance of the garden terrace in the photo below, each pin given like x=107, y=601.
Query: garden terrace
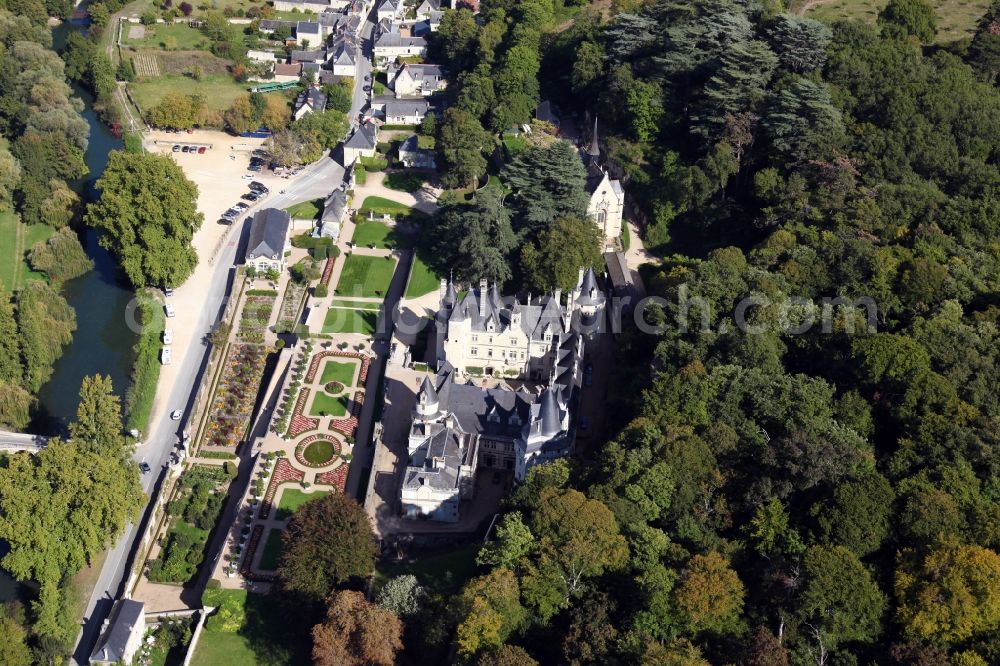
x=284, y=472
x=235, y=395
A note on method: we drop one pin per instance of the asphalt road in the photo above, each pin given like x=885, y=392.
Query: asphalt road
x=316, y=180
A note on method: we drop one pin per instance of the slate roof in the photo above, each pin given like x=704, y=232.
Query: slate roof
x=406, y=107
x=124, y=616
x=344, y=54
x=272, y=24
x=334, y=207
x=308, y=56
x=268, y=232
x=490, y=412
x=446, y=445
x=590, y=294
x=534, y=316
x=364, y=138
x=307, y=29
x=394, y=39
x=313, y=97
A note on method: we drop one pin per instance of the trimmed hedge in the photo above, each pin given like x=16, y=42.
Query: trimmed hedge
x=146, y=369
x=374, y=163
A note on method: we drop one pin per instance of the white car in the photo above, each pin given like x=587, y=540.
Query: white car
x=248, y=176
x=168, y=336
x=176, y=415
x=169, y=309
x=165, y=355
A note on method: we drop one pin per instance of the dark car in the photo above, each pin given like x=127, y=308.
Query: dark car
x=258, y=186
x=176, y=148
x=368, y=77
x=225, y=221
x=185, y=149
x=367, y=88
x=251, y=196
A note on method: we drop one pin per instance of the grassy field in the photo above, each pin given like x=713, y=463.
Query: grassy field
x=956, y=18
x=404, y=181
x=306, y=210
x=169, y=37
x=272, y=550
x=422, y=280
x=373, y=232
x=365, y=276
x=219, y=90
x=360, y=305
x=350, y=321
x=335, y=371
x=265, y=639
x=325, y=405
x=382, y=202
x=293, y=498
x=15, y=241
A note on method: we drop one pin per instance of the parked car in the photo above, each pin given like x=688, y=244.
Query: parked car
x=225, y=221
x=185, y=149
x=201, y=149
x=176, y=148
x=144, y=467
x=189, y=130
x=367, y=88
x=168, y=336
x=168, y=291
x=258, y=186
x=176, y=415
x=165, y=355
x=169, y=309
x=248, y=176
x=368, y=77
x=250, y=196
x=240, y=207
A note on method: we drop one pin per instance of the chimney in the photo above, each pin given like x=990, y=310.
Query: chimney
x=482, y=297
x=444, y=289
x=557, y=294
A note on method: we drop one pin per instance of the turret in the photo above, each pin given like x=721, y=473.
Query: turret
x=428, y=403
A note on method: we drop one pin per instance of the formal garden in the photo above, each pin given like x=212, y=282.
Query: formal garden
x=235, y=394
x=198, y=500
x=365, y=276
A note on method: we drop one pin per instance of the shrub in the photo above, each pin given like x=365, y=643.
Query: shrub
x=321, y=291
x=307, y=241
x=232, y=471
x=146, y=369
x=374, y=163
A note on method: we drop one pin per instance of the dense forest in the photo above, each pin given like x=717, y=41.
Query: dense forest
x=777, y=493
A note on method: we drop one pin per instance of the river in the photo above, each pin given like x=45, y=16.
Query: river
x=102, y=342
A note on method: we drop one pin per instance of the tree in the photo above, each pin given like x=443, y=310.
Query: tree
x=764, y=649
x=45, y=323
x=802, y=121
x=98, y=416
x=242, y=116
x=549, y=183
x=14, y=650
x=474, y=241
x=578, y=536
x=327, y=128
x=950, y=594
x=286, y=148
x=402, y=596
x=562, y=248
x=356, y=632
x=507, y=655
x=61, y=257
x=513, y=541
x=328, y=542
x=799, y=42
x=488, y=611
x=859, y=515
x=148, y=209
x=744, y=71
x=592, y=633
x=178, y=110
x=839, y=602
x=710, y=594
x=904, y=18
x=276, y=114
x=339, y=97
x=588, y=67
x=460, y=145
x=984, y=51
x=456, y=36
x=10, y=345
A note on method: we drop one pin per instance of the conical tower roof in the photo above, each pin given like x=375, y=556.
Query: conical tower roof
x=548, y=414
x=428, y=393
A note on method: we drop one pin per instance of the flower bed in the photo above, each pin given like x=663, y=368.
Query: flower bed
x=246, y=564
x=283, y=473
x=234, y=396
x=300, y=451
x=346, y=427
x=318, y=359
x=299, y=423
x=327, y=272
x=335, y=477
x=334, y=388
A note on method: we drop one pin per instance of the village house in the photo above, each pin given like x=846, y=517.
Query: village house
x=413, y=156
x=287, y=72
x=343, y=62
x=426, y=7
x=309, y=33
x=268, y=240
x=416, y=80
x=402, y=111
x=309, y=101
x=362, y=143
x=313, y=6
x=334, y=209
x=391, y=45
x=389, y=9
x=122, y=634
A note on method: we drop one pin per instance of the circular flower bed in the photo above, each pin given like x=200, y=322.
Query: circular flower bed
x=317, y=451
x=334, y=388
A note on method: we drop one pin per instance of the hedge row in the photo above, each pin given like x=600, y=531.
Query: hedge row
x=146, y=368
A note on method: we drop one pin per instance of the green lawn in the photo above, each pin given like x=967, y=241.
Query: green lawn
x=219, y=90
x=374, y=232
x=266, y=638
x=360, y=305
x=14, y=269
x=365, y=276
x=324, y=404
x=422, y=280
x=321, y=452
x=404, y=181
x=306, y=210
x=350, y=321
x=956, y=18
x=272, y=550
x=169, y=36
x=430, y=571
x=375, y=203
x=293, y=498
x=335, y=371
